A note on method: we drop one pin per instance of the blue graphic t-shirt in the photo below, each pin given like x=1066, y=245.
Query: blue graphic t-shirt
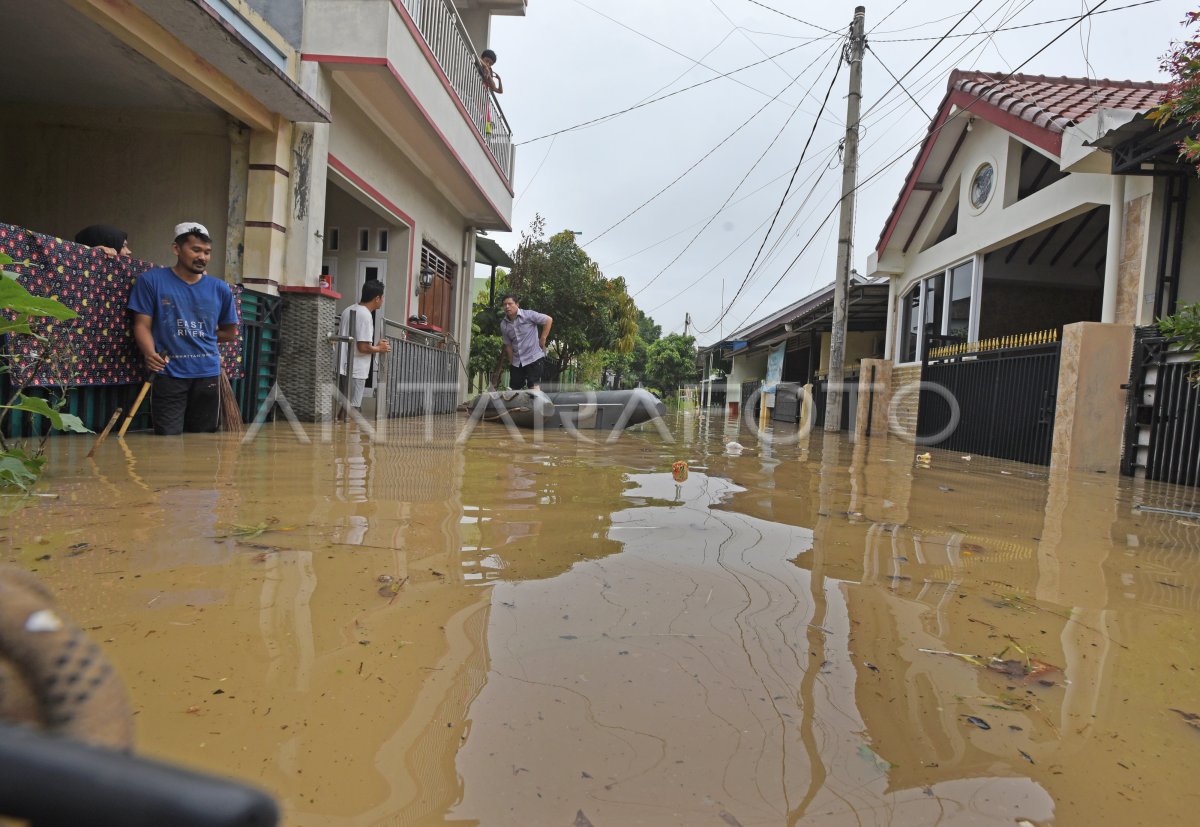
x=185, y=319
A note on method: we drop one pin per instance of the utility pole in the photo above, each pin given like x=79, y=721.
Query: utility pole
x=841, y=284
x=687, y=322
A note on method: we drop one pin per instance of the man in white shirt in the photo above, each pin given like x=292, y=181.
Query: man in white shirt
x=358, y=322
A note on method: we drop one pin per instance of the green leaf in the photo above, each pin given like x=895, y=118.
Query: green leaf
x=15, y=297
x=5, y=258
x=61, y=421
x=18, y=325
x=14, y=472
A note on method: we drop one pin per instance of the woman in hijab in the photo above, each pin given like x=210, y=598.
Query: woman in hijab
x=112, y=241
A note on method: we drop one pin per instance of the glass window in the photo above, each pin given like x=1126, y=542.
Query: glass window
x=958, y=320
x=910, y=311
x=934, y=303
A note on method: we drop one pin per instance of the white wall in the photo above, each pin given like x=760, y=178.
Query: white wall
x=743, y=368
x=359, y=144
x=995, y=225
x=348, y=214
x=143, y=172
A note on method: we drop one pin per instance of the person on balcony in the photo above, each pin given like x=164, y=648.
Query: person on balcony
x=494, y=85
x=490, y=78
x=524, y=334
x=111, y=241
x=180, y=313
x=358, y=322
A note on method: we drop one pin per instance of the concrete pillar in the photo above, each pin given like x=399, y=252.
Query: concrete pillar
x=1112, y=260
x=235, y=222
x=1089, y=422
x=267, y=195
x=308, y=184
x=306, y=361
x=889, y=336
x=874, y=397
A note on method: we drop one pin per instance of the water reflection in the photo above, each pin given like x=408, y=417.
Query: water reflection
x=565, y=630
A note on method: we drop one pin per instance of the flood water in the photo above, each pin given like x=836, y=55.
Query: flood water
x=410, y=631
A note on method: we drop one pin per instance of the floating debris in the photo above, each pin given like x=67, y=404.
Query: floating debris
x=1192, y=718
x=679, y=471
x=976, y=721
x=1026, y=669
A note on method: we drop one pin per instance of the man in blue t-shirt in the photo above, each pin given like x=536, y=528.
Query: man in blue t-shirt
x=179, y=316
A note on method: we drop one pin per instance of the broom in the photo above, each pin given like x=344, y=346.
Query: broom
x=230, y=418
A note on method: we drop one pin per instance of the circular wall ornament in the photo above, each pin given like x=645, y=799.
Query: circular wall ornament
x=982, y=183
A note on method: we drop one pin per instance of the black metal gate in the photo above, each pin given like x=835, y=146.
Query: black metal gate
x=1162, y=417
x=262, y=315
x=996, y=403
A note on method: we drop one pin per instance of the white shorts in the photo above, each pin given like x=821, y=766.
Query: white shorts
x=355, y=392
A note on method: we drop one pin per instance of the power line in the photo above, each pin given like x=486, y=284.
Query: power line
x=886, y=16
x=962, y=111
x=681, y=176
x=1015, y=28
x=659, y=43
x=790, y=17
x=921, y=59
x=775, y=217
x=754, y=166
x=916, y=103
x=611, y=115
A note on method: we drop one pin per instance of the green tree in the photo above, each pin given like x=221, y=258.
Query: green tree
x=591, y=313
x=1182, y=102
x=32, y=317
x=671, y=362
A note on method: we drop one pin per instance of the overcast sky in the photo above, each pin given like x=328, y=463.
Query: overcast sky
x=571, y=61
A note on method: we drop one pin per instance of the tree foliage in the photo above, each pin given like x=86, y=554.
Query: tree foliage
x=1182, y=103
x=671, y=362
x=591, y=312
x=33, y=317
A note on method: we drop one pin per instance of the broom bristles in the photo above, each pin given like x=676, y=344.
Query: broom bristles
x=231, y=413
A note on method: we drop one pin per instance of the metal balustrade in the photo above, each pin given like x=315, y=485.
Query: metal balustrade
x=451, y=46
x=421, y=373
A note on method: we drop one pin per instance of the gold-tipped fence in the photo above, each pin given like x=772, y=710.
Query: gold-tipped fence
x=1017, y=340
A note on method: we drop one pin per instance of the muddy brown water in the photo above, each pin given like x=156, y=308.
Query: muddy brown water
x=565, y=635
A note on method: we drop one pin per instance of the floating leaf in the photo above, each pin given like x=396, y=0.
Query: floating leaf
x=979, y=722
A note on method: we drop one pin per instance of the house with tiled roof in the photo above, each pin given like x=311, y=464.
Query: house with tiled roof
x=1002, y=226
x=1036, y=208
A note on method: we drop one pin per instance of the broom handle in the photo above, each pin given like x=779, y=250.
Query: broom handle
x=112, y=420
x=133, y=411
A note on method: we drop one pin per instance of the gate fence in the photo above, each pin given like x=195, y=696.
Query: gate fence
x=262, y=315
x=994, y=398
x=422, y=373
x=1162, y=415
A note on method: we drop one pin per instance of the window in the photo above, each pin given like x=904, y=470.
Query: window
x=332, y=239
x=436, y=302
x=939, y=307
x=364, y=241
x=383, y=241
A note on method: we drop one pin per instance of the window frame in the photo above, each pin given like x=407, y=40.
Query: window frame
x=924, y=286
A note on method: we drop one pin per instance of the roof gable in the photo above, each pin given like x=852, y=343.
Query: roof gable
x=1035, y=108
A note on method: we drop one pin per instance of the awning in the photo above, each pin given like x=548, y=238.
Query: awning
x=489, y=252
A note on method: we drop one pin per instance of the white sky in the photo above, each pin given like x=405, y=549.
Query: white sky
x=569, y=61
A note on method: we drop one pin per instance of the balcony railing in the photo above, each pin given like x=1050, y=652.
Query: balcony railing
x=451, y=46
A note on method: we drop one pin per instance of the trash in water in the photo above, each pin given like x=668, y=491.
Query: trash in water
x=869, y=755
x=679, y=471
x=1192, y=718
x=979, y=722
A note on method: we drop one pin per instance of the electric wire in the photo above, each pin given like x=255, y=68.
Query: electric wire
x=683, y=174
x=775, y=217
x=962, y=111
x=790, y=17
x=883, y=19
x=660, y=43
x=754, y=166
x=892, y=74
x=636, y=106
x=1015, y=28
